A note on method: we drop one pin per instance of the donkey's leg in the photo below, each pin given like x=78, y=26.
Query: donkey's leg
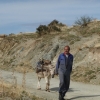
x=46, y=80
x=38, y=84
x=47, y=84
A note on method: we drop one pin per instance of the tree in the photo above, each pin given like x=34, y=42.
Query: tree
x=42, y=29
x=54, y=26
x=83, y=21
x=54, y=22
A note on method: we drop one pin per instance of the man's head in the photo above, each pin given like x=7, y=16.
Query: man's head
x=66, y=49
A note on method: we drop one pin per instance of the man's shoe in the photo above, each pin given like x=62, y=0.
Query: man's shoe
x=61, y=97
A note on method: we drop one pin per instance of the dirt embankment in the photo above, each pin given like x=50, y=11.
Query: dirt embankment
x=24, y=50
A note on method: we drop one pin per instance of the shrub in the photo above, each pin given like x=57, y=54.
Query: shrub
x=52, y=27
x=42, y=29
x=54, y=22
x=56, y=29
x=83, y=21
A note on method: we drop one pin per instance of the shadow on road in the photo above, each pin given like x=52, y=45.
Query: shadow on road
x=57, y=89
x=77, y=97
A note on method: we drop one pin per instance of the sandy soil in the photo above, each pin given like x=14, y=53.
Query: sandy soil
x=77, y=91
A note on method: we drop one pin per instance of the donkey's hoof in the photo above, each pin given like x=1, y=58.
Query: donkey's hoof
x=48, y=90
x=39, y=89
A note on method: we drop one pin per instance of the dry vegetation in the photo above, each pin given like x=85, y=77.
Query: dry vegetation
x=85, y=74
x=8, y=92
x=12, y=91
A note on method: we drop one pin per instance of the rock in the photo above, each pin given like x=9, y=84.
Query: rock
x=73, y=33
x=97, y=45
x=52, y=53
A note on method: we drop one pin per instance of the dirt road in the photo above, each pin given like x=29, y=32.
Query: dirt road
x=77, y=91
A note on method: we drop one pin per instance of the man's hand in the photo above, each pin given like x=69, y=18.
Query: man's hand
x=56, y=74
x=53, y=75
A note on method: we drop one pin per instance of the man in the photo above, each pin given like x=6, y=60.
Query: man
x=64, y=69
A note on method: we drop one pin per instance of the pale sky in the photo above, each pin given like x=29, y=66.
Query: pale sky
x=26, y=15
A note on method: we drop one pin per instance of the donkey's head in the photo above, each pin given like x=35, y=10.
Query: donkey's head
x=46, y=62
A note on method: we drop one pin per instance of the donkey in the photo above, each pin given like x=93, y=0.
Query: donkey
x=46, y=71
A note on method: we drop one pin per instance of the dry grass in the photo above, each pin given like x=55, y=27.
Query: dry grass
x=11, y=90
x=85, y=74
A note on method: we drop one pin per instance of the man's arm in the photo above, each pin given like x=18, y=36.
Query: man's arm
x=57, y=65
x=71, y=64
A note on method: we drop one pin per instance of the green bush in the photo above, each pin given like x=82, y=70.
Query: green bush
x=42, y=29
x=52, y=27
x=54, y=22
x=56, y=29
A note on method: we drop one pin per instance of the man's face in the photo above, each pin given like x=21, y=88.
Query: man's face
x=66, y=50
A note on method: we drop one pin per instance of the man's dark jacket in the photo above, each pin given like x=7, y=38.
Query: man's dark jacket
x=64, y=64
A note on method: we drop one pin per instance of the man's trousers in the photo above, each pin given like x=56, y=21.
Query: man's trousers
x=64, y=82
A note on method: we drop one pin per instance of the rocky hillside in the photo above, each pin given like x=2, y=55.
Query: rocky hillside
x=24, y=50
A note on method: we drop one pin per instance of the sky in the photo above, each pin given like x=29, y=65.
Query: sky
x=26, y=15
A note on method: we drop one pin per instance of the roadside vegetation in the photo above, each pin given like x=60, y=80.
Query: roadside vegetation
x=83, y=21
x=12, y=91
x=54, y=26
x=85, y=74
